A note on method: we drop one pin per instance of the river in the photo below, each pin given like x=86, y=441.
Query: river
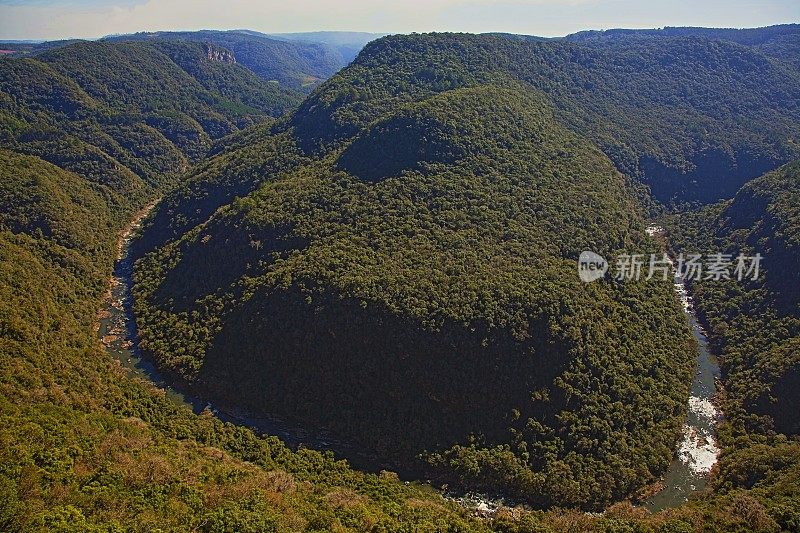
x=697, y=452
x=695, y=456
x=117, y=332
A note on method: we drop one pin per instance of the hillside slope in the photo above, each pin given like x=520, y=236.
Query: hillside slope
x=410, y=278
x=129, y=116
x=754, y=326
x=85, y=448
x=780, y=42
x=415, y=290
x=298, y=65
x=693, y=118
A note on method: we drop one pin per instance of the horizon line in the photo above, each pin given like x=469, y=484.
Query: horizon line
x=385, y=34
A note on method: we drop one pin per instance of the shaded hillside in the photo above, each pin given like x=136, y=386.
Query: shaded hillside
x=294, y=64
x=85, y=448
x=129, y=116
x=237, y=165
x=693, y=118
x=416, y=291
x=435, y=276
x=41, y=199
x=754, y=325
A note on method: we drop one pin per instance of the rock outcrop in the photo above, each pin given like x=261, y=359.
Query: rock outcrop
x=215, y=53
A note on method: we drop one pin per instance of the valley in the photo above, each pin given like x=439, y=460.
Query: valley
x=696, y=453
x=117, y=333
x=261, y=282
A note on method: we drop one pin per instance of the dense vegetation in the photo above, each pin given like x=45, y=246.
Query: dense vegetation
x=82, y=446
x=16, y=49
x=754, y=325
x=755, y=328
x=396, y=260
x=415, y=290
x=780, y=42
x=129, y=115
x=693, y=118
x=298, y=61
x=296, y=64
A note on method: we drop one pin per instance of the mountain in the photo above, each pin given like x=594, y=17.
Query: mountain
x=780, y=42
x=692, y=118
x=87, y=448
x=347, y=43
x=297, y=65
x=130, y=116
x=298, y=61
x=395, y=259
x=754, y=326
x=366, y=263
x=413, y=288
x=91, y=133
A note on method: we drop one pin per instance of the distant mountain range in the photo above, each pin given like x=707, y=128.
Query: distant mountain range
x=297, y=60
x=347, y=43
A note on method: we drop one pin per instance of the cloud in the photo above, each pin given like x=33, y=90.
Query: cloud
x=50, y=19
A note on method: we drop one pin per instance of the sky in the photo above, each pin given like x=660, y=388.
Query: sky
x=59, y=19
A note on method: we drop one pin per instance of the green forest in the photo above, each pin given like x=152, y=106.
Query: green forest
x=85, y=448
x=457, y=254
x=755, y=326
x=298, y=65
x=393, y=258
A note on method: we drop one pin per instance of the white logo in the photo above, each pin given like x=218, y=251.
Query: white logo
x=591, y=266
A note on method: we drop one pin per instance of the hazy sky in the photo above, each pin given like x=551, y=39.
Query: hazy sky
x=55, y=19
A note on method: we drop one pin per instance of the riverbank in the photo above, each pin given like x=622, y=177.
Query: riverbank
x=116, y=329
x=697, y=451
x=695, y=456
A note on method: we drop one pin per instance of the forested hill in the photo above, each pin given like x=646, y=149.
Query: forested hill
x=299, y=61
x=413, y=288
x=296, y=64
x=130, y=116
x=755, y=328
x=746, y=36
x=394, y=260
x=16, y=49
x=780, y=42
x=693, y=117
x=85, y=448
x=90, y=133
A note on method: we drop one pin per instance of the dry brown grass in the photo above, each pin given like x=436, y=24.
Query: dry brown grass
x=345, y=498
x=571, y=521
x=626, y=511
x=752, y=512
